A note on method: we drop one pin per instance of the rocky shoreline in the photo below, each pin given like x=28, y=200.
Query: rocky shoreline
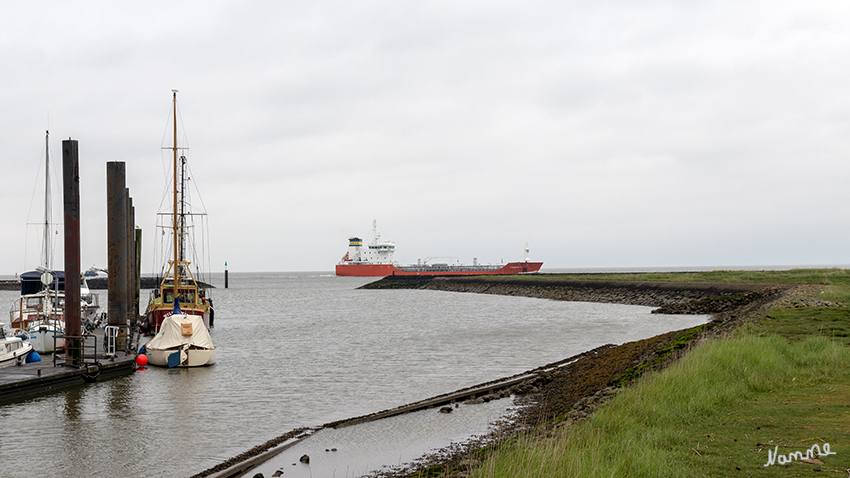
x=669, y=297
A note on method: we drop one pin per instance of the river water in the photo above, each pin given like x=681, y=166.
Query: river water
x=298, y=350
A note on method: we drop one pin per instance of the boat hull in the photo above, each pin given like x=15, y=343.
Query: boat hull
x=41, y=338
x=13, y=351
x=156, y=316
x=194, y=357
x=383, y=270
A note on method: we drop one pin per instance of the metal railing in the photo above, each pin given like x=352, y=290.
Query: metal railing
x=85, y=351
x=110, y=333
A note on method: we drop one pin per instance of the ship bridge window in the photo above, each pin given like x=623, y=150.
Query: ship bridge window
x=169, y=297
x=33, y=301
x=187, y=297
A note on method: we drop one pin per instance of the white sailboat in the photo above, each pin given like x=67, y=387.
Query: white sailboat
x=182, y=341
x=40, y=311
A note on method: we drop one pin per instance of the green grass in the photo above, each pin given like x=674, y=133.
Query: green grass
x=837, y=281
x=783, y=381
x=712, y=413
x=798, y=324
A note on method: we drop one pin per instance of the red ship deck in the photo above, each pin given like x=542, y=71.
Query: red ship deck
x=383, y=270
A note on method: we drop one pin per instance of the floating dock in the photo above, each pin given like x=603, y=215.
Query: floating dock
x=33, y=379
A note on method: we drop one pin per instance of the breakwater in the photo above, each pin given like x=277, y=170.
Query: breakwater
x=668, y=297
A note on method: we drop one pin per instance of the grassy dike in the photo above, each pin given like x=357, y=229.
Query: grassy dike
x=781, y=383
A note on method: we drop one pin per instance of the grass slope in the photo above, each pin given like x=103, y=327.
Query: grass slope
x=782, y=382
x=716, y=412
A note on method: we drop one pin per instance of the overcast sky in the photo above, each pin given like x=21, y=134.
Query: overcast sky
x=604, y=134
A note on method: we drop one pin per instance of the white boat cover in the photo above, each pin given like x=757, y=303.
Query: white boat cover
x=170, y=335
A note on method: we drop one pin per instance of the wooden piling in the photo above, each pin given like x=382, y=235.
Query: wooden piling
x=137, y=279
x=71, y=202
x=116, y=211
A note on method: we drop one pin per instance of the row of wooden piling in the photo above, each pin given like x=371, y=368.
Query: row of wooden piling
x=123, y=253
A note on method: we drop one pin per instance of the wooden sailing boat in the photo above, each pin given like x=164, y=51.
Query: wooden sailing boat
x=178, y=279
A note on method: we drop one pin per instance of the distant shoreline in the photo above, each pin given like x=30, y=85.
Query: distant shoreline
x=99, y=283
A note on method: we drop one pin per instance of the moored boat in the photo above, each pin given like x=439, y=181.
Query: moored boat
x=178, y=280
x=182, y=341
x=377, y=261
x=89, y=301
x=40, y=311
x=13, y=350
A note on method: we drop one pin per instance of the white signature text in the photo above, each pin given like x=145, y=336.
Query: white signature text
x=774, y=456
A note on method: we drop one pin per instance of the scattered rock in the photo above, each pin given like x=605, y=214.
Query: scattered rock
x=305, y=459
x=277, y=473
x=446, y=410
x=259, y=475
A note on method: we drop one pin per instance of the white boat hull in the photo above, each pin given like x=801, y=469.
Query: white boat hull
x=41, y=338
x=13, y=350
x=188, y=358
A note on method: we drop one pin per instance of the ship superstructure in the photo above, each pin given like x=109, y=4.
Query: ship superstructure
x=376, y=260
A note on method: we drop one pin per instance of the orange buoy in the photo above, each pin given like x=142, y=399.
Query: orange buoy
x=141, y=360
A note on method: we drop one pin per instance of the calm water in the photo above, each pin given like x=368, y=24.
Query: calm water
x=301, y=350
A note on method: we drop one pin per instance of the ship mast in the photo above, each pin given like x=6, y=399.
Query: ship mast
x=174, y=184
x=46, y=256
x=182, y=220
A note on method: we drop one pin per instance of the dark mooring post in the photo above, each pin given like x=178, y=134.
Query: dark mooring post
x=116, y=213
x=225, y=275
x=131, y=260
x=138, y=269
x=130, y=253
x=71, y=190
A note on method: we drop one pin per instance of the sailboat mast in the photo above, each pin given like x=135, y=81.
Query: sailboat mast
x=182, y=220
x=174, y=183
x=46, y=256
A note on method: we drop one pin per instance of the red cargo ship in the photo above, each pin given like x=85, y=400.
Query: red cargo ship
x=377, y=261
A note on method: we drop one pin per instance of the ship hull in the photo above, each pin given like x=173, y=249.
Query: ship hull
x=383, y=270
x=155, y=317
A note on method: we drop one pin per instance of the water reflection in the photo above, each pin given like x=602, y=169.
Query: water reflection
x=72, y=400
x=118, y=399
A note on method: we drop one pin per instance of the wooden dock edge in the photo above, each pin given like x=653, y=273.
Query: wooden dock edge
x=62, y=378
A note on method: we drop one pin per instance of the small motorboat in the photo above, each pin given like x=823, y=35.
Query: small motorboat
x=13, y=350
x=182, y=341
